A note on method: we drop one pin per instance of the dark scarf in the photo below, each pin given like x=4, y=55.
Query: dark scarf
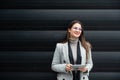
x=76, y=74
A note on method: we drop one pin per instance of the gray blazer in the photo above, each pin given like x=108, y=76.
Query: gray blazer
x=61, y=58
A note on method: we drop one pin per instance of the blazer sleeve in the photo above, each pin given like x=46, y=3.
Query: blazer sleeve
x=56, y=65
x=89, y=63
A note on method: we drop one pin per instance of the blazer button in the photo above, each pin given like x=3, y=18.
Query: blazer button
x=64, y=61
x=83, y=77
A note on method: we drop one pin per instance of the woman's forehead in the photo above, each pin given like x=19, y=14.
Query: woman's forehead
x=76, y=25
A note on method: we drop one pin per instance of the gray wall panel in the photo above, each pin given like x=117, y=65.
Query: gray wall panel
x=46, y=40
x=38, y=61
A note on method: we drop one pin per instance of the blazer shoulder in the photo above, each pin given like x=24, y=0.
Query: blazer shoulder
x=59, y=47
x=60, y=44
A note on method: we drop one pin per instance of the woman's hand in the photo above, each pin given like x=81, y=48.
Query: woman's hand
x=83, y=69
x=68, y=67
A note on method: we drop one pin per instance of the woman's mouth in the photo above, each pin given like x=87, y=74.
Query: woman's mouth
x=76, y=33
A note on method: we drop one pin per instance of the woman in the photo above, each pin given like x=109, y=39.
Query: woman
x=73, y=50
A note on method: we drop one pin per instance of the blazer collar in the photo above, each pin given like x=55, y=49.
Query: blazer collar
x=66, y=55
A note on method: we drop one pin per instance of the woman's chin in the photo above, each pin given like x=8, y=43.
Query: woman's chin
x=77, y=36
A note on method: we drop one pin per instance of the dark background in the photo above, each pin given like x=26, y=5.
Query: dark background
x=30, y=29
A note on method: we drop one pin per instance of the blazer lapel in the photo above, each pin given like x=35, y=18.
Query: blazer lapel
x=66, y=55
x=83, y=54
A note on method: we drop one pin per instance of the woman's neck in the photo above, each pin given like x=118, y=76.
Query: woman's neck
x=73, y=40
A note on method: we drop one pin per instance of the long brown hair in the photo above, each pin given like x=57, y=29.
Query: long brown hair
x=84, y=43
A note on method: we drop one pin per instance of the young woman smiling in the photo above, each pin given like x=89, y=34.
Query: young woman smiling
x=74, y=50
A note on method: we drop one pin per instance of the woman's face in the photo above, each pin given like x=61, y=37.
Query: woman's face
x=75, y=31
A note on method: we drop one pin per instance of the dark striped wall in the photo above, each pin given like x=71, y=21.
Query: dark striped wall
x=60, y=4
x=30, y=29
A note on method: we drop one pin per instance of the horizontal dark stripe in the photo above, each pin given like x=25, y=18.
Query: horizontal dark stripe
x=51, y=14
x=25, y=19
x=46, y=40
x=52, y=76
x=27, y=75
x=26, y=61
x=105, y=76
x=37, y=61
x=106, y=61
x=104, y=25
x=60, y=4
